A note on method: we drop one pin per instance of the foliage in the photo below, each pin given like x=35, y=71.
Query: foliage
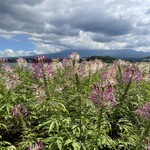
x=67, y=105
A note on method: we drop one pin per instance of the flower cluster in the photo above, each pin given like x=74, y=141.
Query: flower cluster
x=19, y=110
x=131, y=73
x=38, y=92
x=66, y=62
x=12, y=81
x=120, y=63
x=42, y=69
x=56, y=65
x=87, y=68
x=145, y=68
x=93, y=66
x=41, y=59
x=6, y=68
x=36, y=146
x=110, y=75
x=75, y=56
x=144, y=111
x=21, y=62
x=148, y=148
x=103, y=95
x=3, y=60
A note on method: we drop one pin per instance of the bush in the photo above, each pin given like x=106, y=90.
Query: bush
x=65, y=105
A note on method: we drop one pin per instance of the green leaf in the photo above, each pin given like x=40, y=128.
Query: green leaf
x=51, y=127
x=63, y=108
x=43, y=124
x=2, y=125
x=76, y=145
x=11, y=148
x=68, y=142
x=57, y=125
x=1, y=96
x=59, y=143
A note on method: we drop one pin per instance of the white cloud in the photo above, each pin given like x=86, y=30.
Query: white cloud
x=90, y=24
x=7, y=52
x=12, y=53
x=83, y=41
x=21, y=53
x=46, y=48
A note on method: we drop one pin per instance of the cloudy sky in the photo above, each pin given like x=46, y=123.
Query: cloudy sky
x=30, y=27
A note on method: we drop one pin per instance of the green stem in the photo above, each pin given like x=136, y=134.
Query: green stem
x=80, y=117
x=99, y=124
x=79, y=104
x=45, y=80
x=126, y=91
x=120, y=72
x=23, y=123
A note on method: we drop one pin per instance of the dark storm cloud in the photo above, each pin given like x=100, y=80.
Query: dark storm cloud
x=93, y=20
x=65, y=30
x=89, y=18
x=10, y=3
x=97, y=23
x=15, y=15
x=103, y=38
x=110, y=26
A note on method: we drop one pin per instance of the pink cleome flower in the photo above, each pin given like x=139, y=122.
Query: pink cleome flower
x=131, y=73
x=144, y=111
x=75, y=56
x=18, y=110
x=103, y=95
x=148, y=148
x=36, y=146
x=42, y=66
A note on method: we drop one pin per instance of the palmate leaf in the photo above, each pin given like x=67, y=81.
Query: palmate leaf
x=1, y=96
x=67, y=119
x=4, y=145
x=125, y=125
x=59, y=142
x=11, y=148
x=3, y=125
x=51, y=127
x=76, y=145
x=63, y=108
x=43, y=124
x=67, y=142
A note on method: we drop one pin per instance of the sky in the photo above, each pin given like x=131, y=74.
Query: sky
x=30, y=27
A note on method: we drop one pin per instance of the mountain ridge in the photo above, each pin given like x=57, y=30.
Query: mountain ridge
x=118, y=54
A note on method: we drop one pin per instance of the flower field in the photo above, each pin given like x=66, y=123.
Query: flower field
x=67, y=105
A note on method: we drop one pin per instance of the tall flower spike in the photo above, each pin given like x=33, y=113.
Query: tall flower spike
x=103, y=95
x=21, y=62
x=144, y=111
x=148, y=148
x=36, y=146
x=41, y=59
x=37, y=69
x=3, y=60
x=65, y=62
x=75, y=56
x=18, y=110
x=131, y=73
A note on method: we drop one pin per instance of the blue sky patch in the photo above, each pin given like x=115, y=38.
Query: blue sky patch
x=17, y=42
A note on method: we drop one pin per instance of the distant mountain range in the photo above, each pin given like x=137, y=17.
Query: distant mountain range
x=118, y=54
x=122, y=54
